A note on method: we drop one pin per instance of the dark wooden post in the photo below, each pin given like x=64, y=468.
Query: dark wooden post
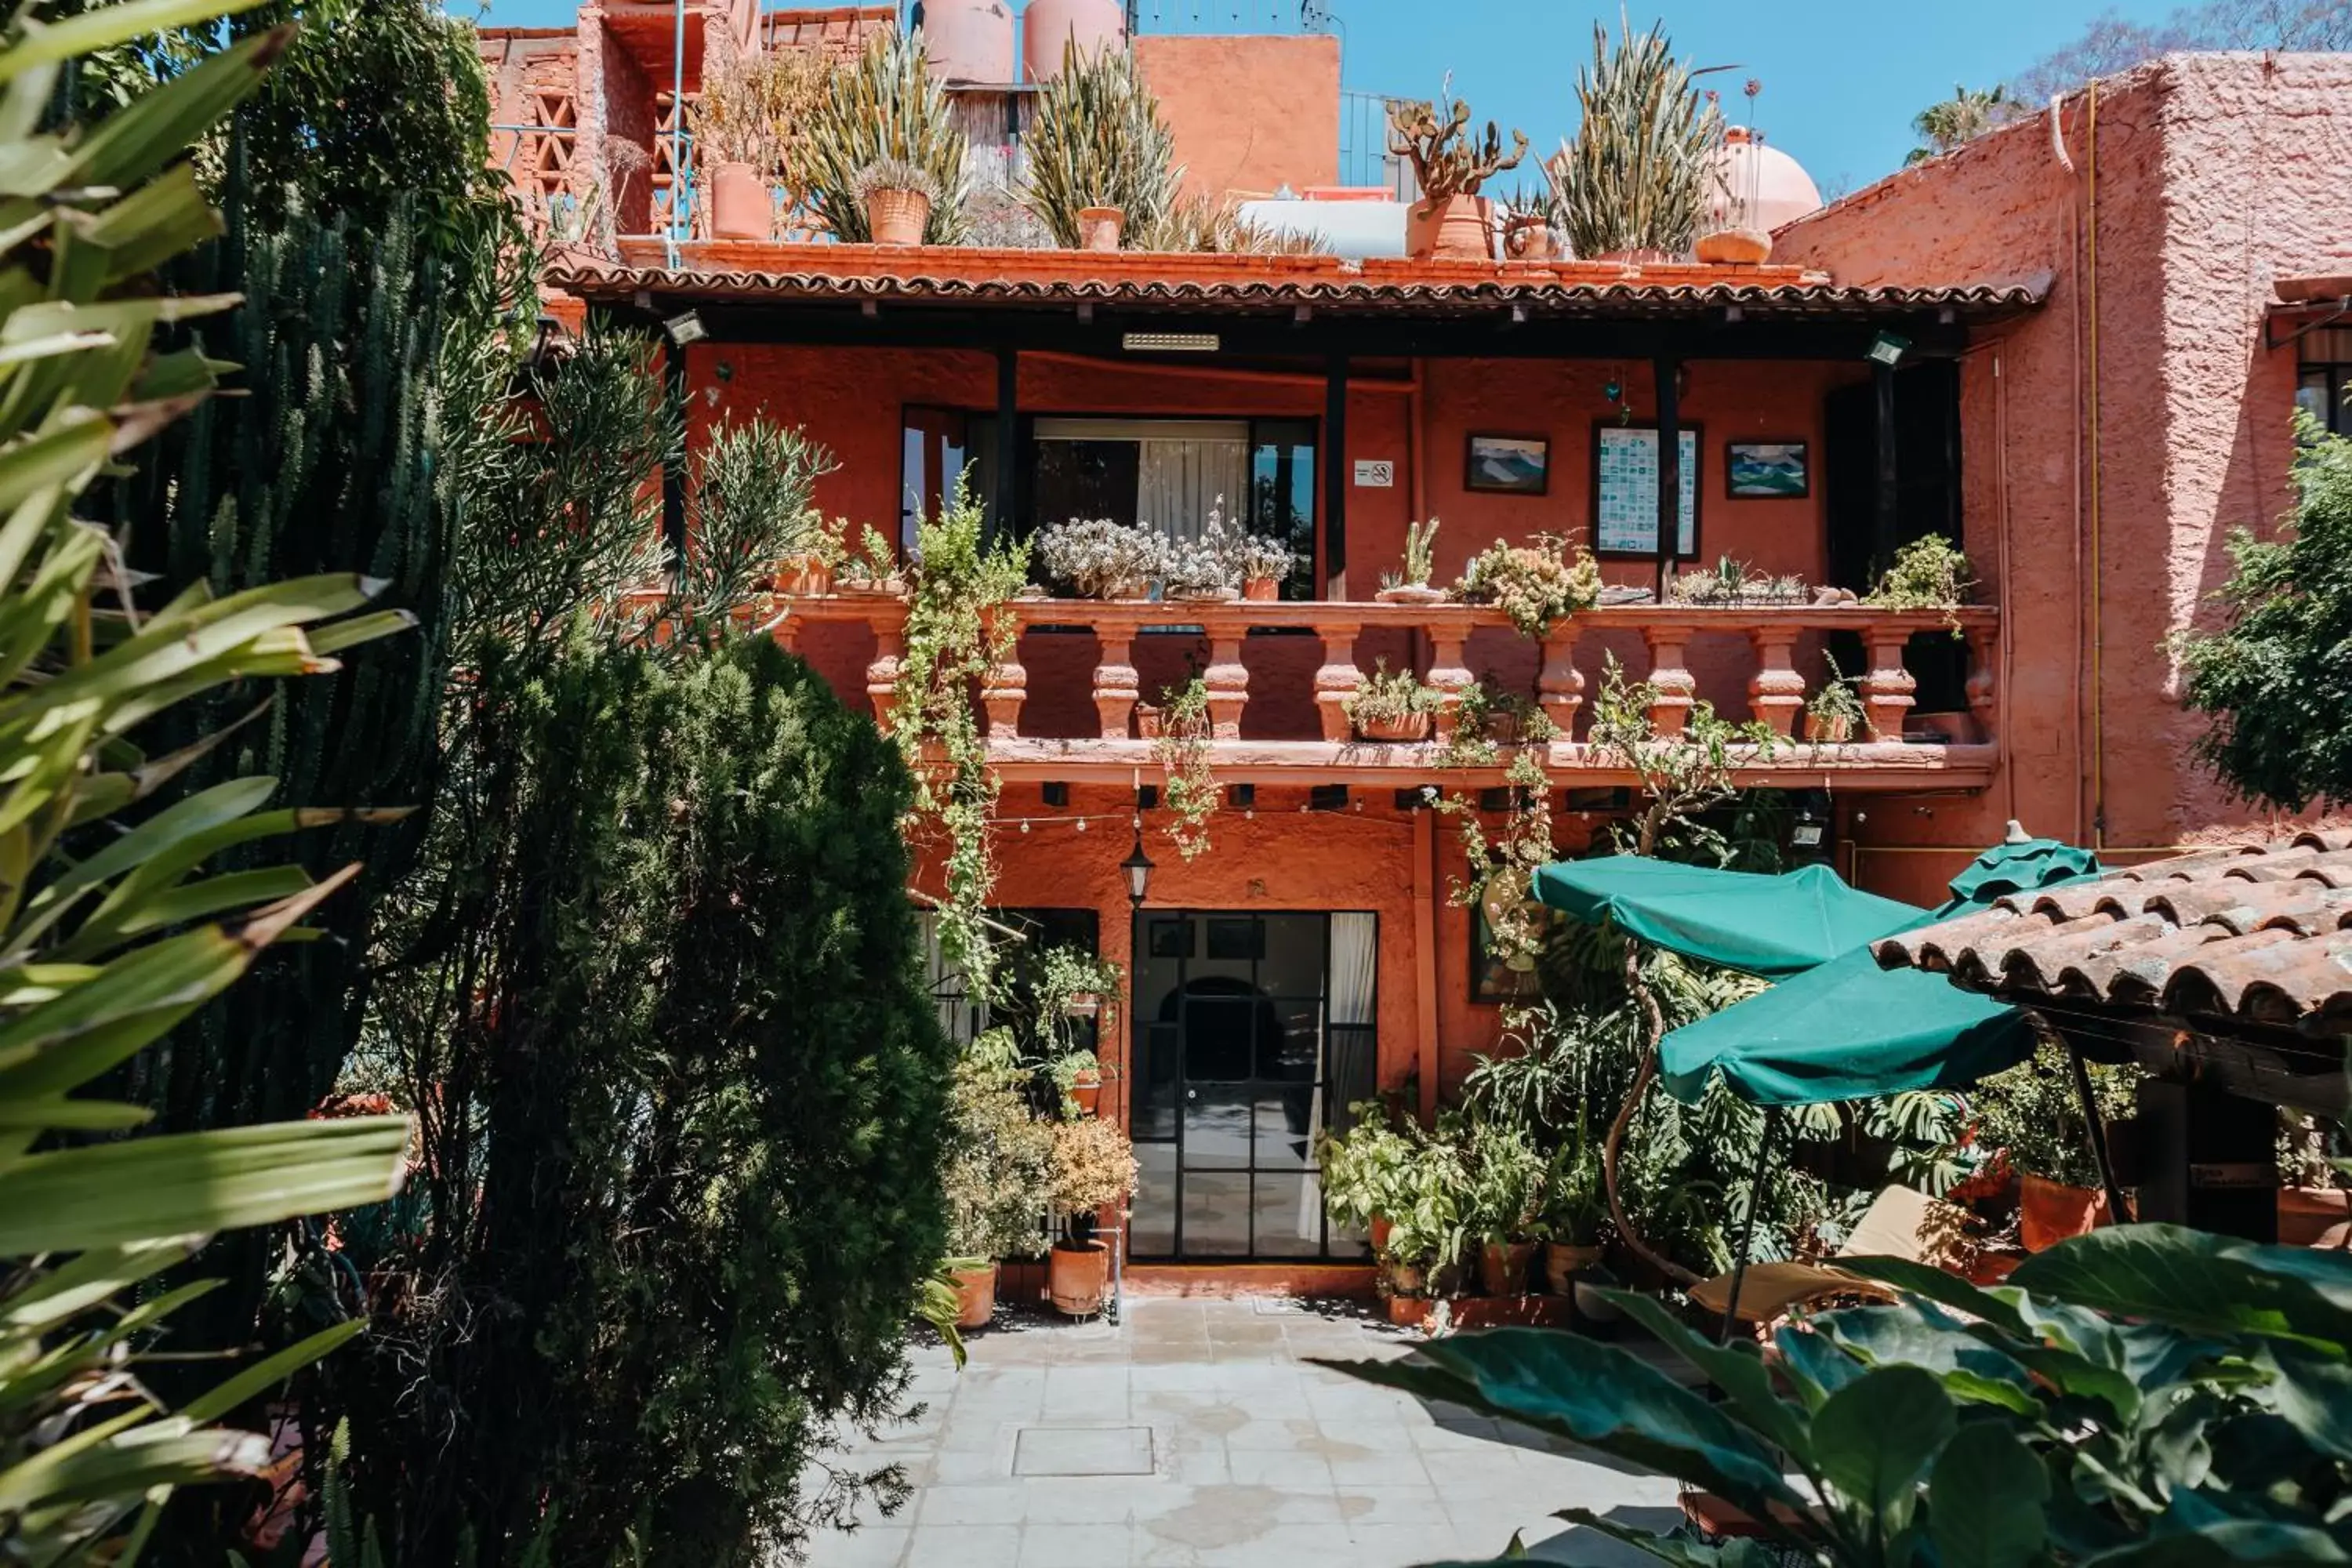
x=1335, y=471
x=1666, y=368
x=674, y=473
x=1882, y=375
x=1008, y=442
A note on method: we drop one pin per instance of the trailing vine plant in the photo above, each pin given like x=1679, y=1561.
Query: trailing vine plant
x=1182, y=753
x=1487, y=719
x=953, y=635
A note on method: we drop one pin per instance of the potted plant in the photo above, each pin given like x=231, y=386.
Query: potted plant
x=998, y=1177
x=1390, y=706
x=1201, y=570
x=1489, y=715
x=808, y=571
x=1262, y=562
x=1094, y=1169
x=1074, y=984
x=1575, y=1214
x=2032, y=1114
x=1099, y=166
x=1098, y=226
x=1363, y=1172
x=1930, y=572
x=1730, y=585
x=1102, y=559
x=1449, y=222
x=871, y=568
x=1428, y=1240
x=1411, y=586
x=899, y=194
x=1502, y=1205
x=1078, y=1078
x=1536, y=583
x=1835, y=713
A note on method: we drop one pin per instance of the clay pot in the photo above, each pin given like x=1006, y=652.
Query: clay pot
x=1407, y=1280
x=1828, y=729
x=1077, y=1277
x=1147, y=721
x=1410, y=593
x=741, y=205
x=1563, y=1263
x=1380, y=1231
x=1086, y=1093
x=1099, y=228
x=896, y=218
x=1405, y=727
x=1261, y=590
x=1503, y=1267
x=2050, y=1212
x=1455, y=229
x=805, y=576
x=1204, y=595
x=975, y=1295
x=1736, y=246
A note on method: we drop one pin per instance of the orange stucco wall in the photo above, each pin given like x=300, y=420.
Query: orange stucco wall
x=1250, y=114
x=2214, y=176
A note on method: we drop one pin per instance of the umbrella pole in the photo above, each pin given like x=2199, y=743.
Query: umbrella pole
x=1611, y=1146
x=1747, y=1221
x=2097, y=1131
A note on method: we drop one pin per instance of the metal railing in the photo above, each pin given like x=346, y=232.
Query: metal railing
x=1223, y=16
x=1364, y=155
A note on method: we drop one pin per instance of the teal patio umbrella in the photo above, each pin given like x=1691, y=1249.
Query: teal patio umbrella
x=1773, y=927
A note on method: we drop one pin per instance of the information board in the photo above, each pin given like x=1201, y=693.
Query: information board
x=1625, y=490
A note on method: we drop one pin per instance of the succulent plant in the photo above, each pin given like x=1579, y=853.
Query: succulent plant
x=886, y=104
x=1420, y=554
x=1097, y=140
x=1637, y=175
x=1103, y=559
x=1446, y=160
x=895, y=175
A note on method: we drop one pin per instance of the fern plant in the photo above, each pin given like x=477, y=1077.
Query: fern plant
x=1099, y=142
x=886, y=105
x=1636, y=177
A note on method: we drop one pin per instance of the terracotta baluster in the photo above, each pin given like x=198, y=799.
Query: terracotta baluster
x=1226, y=678
x=1888, y=685
x=1336, y=682
x=882, y=675
x=1559, y=685
x=1984, y=678
x=1776, y=693
x=1676, y=688
x=1116, y=685
x=1448, y=675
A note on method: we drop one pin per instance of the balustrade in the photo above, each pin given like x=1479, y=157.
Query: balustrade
x=1686, y=662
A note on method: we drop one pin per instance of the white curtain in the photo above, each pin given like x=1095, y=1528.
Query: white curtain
x=1347, y=1031
x=1180, y=481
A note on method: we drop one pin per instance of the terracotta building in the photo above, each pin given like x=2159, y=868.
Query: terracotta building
x=2068, y=345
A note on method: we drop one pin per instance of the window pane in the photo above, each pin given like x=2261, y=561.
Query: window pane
x=1086, y=480
x=1281, y=495
x=2311, y=395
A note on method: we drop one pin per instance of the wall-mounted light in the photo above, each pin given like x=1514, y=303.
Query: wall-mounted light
x=1888, y=349
x=1137, y=867
x=1171, y=343
x=686, y=329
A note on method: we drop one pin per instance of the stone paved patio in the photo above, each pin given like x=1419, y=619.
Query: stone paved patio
x=1254, y=1457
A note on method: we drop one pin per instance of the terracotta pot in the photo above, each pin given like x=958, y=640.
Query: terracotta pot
x=741, y=206
x=1147, y=721
x=896, y=218
x=1408, y=1280
x=975, y=1297
x=804, y=575
x=1736, y=246
x=1078, y=1276
x=2049, y=1212
x=874, y=587
x=1503, y=1267
x=1563, y=1263
x=1086, y=1093
x=1406, y=727
x=1828, y=729
x=1260, y=590
x=1408, y=1312
x=1455, y=229
x=1099, y=228
x=1410, y=593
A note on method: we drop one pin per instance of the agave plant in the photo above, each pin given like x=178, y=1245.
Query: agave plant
x=886, y=105
x=1099, y=142
x=110, y=929
x=1637, y=175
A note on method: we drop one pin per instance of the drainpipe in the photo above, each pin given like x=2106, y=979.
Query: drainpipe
x=2098, y=580
x=681, y=189
x=1425, y=843
x=2074, y=303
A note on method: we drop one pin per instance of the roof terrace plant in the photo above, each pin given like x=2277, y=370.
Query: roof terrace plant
x=1097, y=140
x=1104, y=559
x=1636, y=176
x=1448, y=161
x=886, y=105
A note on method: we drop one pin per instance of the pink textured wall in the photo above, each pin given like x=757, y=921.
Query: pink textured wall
x=2215, y=174
x=1250, y=114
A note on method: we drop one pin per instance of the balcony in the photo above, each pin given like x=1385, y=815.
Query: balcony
x=1279, y=675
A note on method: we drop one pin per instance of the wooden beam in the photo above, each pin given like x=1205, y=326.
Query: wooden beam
x=1889, y=494
x=1670, y=466
x=1008, y=443
x=674, y=474
x=1335, y=473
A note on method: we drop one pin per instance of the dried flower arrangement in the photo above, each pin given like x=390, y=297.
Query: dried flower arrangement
x=1536, y=583
x=1102, y=559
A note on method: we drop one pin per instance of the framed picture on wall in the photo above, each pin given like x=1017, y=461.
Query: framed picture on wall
x=1509, y=465
x=1767, y=470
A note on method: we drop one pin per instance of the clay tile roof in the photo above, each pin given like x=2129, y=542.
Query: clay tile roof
x=2259, y=933
x=725, y=272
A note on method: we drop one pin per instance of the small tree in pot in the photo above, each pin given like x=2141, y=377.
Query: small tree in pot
x=999, y=1178
x=1094, y=1169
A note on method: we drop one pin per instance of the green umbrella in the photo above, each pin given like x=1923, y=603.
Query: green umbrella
x=1769, y=926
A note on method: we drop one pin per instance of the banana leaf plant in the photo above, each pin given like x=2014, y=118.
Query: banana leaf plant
x=2145, y=1395
x=112, y=930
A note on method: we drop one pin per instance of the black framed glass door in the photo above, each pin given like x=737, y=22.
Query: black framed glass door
x=1252, y=1035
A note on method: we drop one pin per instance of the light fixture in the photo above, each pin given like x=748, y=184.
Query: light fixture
x=1137, y=867
x=1888, y=349
x=686, y=329
x=1171, y=343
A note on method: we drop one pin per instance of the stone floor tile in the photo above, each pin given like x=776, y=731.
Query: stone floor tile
x=1390, y=1505
x=1404, y=1469
x=965, y=1546
x=1077, y=1546
x=1285, y=1435
x=1280, y=1468
x=880, y=1547
x=985, y=1503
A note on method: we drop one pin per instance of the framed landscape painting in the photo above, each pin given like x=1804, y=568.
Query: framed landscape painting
x=1767, y=470
x=1509, y=465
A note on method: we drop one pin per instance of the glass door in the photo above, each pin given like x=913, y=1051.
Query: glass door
x=1240, y=1058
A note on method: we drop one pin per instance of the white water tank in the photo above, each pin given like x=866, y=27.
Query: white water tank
x=1048, y=26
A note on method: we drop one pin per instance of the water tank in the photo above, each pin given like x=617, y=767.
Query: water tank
x=1048, y=25
x=968, y=40
x=1759, y=186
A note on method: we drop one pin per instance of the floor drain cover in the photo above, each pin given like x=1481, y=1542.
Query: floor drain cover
x=1082, y=1451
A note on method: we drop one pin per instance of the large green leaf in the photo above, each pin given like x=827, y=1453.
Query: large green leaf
x=1924, y=1336
x=1873, y=1439
x=1985, y=1498
x=1736, y=1369
x=2168, y=1274
x=1598, y=1395
x=2315, y=1393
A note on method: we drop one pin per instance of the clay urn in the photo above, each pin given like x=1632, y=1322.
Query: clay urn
x=741, y=207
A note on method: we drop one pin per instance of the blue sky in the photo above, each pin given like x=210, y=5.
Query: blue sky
x=1841, y=77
